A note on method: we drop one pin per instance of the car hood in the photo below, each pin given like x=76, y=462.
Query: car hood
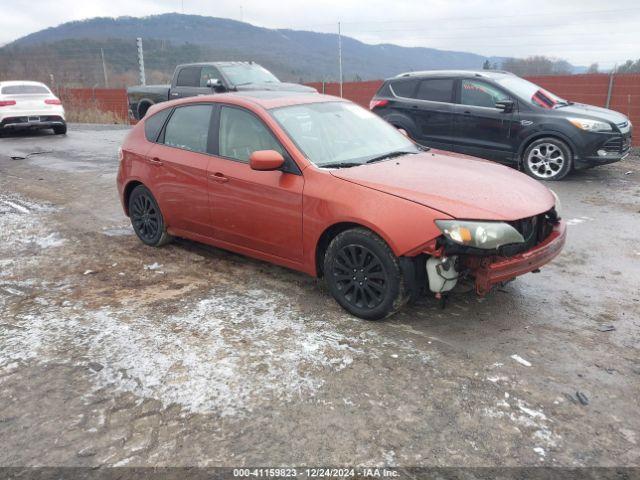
x=462, y=187
x=599, y=113
x=280, y=87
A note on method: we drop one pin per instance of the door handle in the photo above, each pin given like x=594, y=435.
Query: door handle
x=218, y=177
x=155, y=161
x=174, y=94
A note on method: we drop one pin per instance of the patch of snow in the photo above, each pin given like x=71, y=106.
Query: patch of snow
x=521, y=360
x=16, y=206
x=578, y=220
x=153, y=266
x=51, y=240
x=229, y=352
x=540, y=451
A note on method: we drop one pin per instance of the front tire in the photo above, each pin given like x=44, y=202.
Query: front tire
x=146, y=218
x=364, y=275
x=547, y=159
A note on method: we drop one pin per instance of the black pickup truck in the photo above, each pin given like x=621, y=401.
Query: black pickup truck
x=190, y=80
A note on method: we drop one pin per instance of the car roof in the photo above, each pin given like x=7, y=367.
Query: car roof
x=217, y=64
x=454, y=73
x=263, y=98
x=9, y=83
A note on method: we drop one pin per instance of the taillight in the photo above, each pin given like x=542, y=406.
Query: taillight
x=53, y=101
x=377, y=103
x=6, y=103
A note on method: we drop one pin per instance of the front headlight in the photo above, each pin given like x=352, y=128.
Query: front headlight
x=590, y=125
x=558, y=205
x=485, y=235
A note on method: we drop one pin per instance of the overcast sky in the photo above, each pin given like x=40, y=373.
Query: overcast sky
x=581, y=31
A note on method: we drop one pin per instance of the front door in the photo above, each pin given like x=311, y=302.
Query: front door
x=179, y=165
x=192, y=81
x=257, y=210
x=481, y=129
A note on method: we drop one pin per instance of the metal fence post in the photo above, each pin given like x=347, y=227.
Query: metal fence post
x=143, y=80
x=610, y=90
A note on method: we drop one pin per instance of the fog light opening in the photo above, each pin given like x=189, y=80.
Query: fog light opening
x=602, y=153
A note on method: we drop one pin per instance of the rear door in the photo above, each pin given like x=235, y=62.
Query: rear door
x=432, y=110
x=257, y=210
x=480, y=128
x=179, y=162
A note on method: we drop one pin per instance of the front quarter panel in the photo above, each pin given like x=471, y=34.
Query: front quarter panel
x=405, y=226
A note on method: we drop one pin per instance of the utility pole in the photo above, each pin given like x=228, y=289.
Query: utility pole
x=104, y=69
x=340, y=56
x=143, y=81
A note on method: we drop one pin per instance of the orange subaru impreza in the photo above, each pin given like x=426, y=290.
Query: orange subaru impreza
x=318, y=184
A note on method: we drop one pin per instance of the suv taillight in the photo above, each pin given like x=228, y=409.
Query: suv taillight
x=7, y=103
x=53, y=101
x=377, y=103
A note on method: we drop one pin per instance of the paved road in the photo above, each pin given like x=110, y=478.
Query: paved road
x=113, y=353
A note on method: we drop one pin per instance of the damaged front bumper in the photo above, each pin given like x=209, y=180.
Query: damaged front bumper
x=489, y=271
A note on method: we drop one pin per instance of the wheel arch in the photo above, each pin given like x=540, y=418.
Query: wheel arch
x=399, y=120
x=126, y=193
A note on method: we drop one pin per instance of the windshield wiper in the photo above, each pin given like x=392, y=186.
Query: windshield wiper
x=388, y=155
x=340, y=165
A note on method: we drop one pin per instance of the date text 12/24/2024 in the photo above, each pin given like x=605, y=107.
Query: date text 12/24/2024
x=318, y=472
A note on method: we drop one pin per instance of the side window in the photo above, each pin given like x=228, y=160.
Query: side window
x=188, y=128
x=480, y=94
x=154, y=123
x=242, y=133
x=435, y=90
x=209, y=73
x=188, y=77
x=405, y=88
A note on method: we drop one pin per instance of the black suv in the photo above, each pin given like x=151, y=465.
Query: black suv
x=499, y=116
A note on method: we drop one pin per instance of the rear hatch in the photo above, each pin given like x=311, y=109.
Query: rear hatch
x=29, y=102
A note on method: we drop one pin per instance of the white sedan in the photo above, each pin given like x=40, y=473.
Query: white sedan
x=26, y=104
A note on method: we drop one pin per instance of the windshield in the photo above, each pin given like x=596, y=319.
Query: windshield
x=334, y=133
x=245, y=73
x=531, y=92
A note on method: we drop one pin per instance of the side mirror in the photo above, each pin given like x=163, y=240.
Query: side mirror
x=266, y=160
x=216, y=85
x=505, y=105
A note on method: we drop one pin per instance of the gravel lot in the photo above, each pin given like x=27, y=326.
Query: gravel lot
x=113, y=353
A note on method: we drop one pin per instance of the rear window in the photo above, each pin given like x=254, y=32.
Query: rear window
x=189, y=77
x=154, y=123
x=435, y=90
x=405, y=88
x=188, y=128
x=24, y=89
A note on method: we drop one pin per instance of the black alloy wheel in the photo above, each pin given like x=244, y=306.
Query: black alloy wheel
x=363, y=274
x=146, y=217
x=360, y=276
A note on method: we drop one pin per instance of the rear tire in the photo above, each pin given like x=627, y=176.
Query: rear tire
x=547, y=159
x=363, y=275
x=142, y=109
x=146, y=218
x=60, y=129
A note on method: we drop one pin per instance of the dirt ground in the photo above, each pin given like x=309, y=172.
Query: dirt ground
x=113, y=353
